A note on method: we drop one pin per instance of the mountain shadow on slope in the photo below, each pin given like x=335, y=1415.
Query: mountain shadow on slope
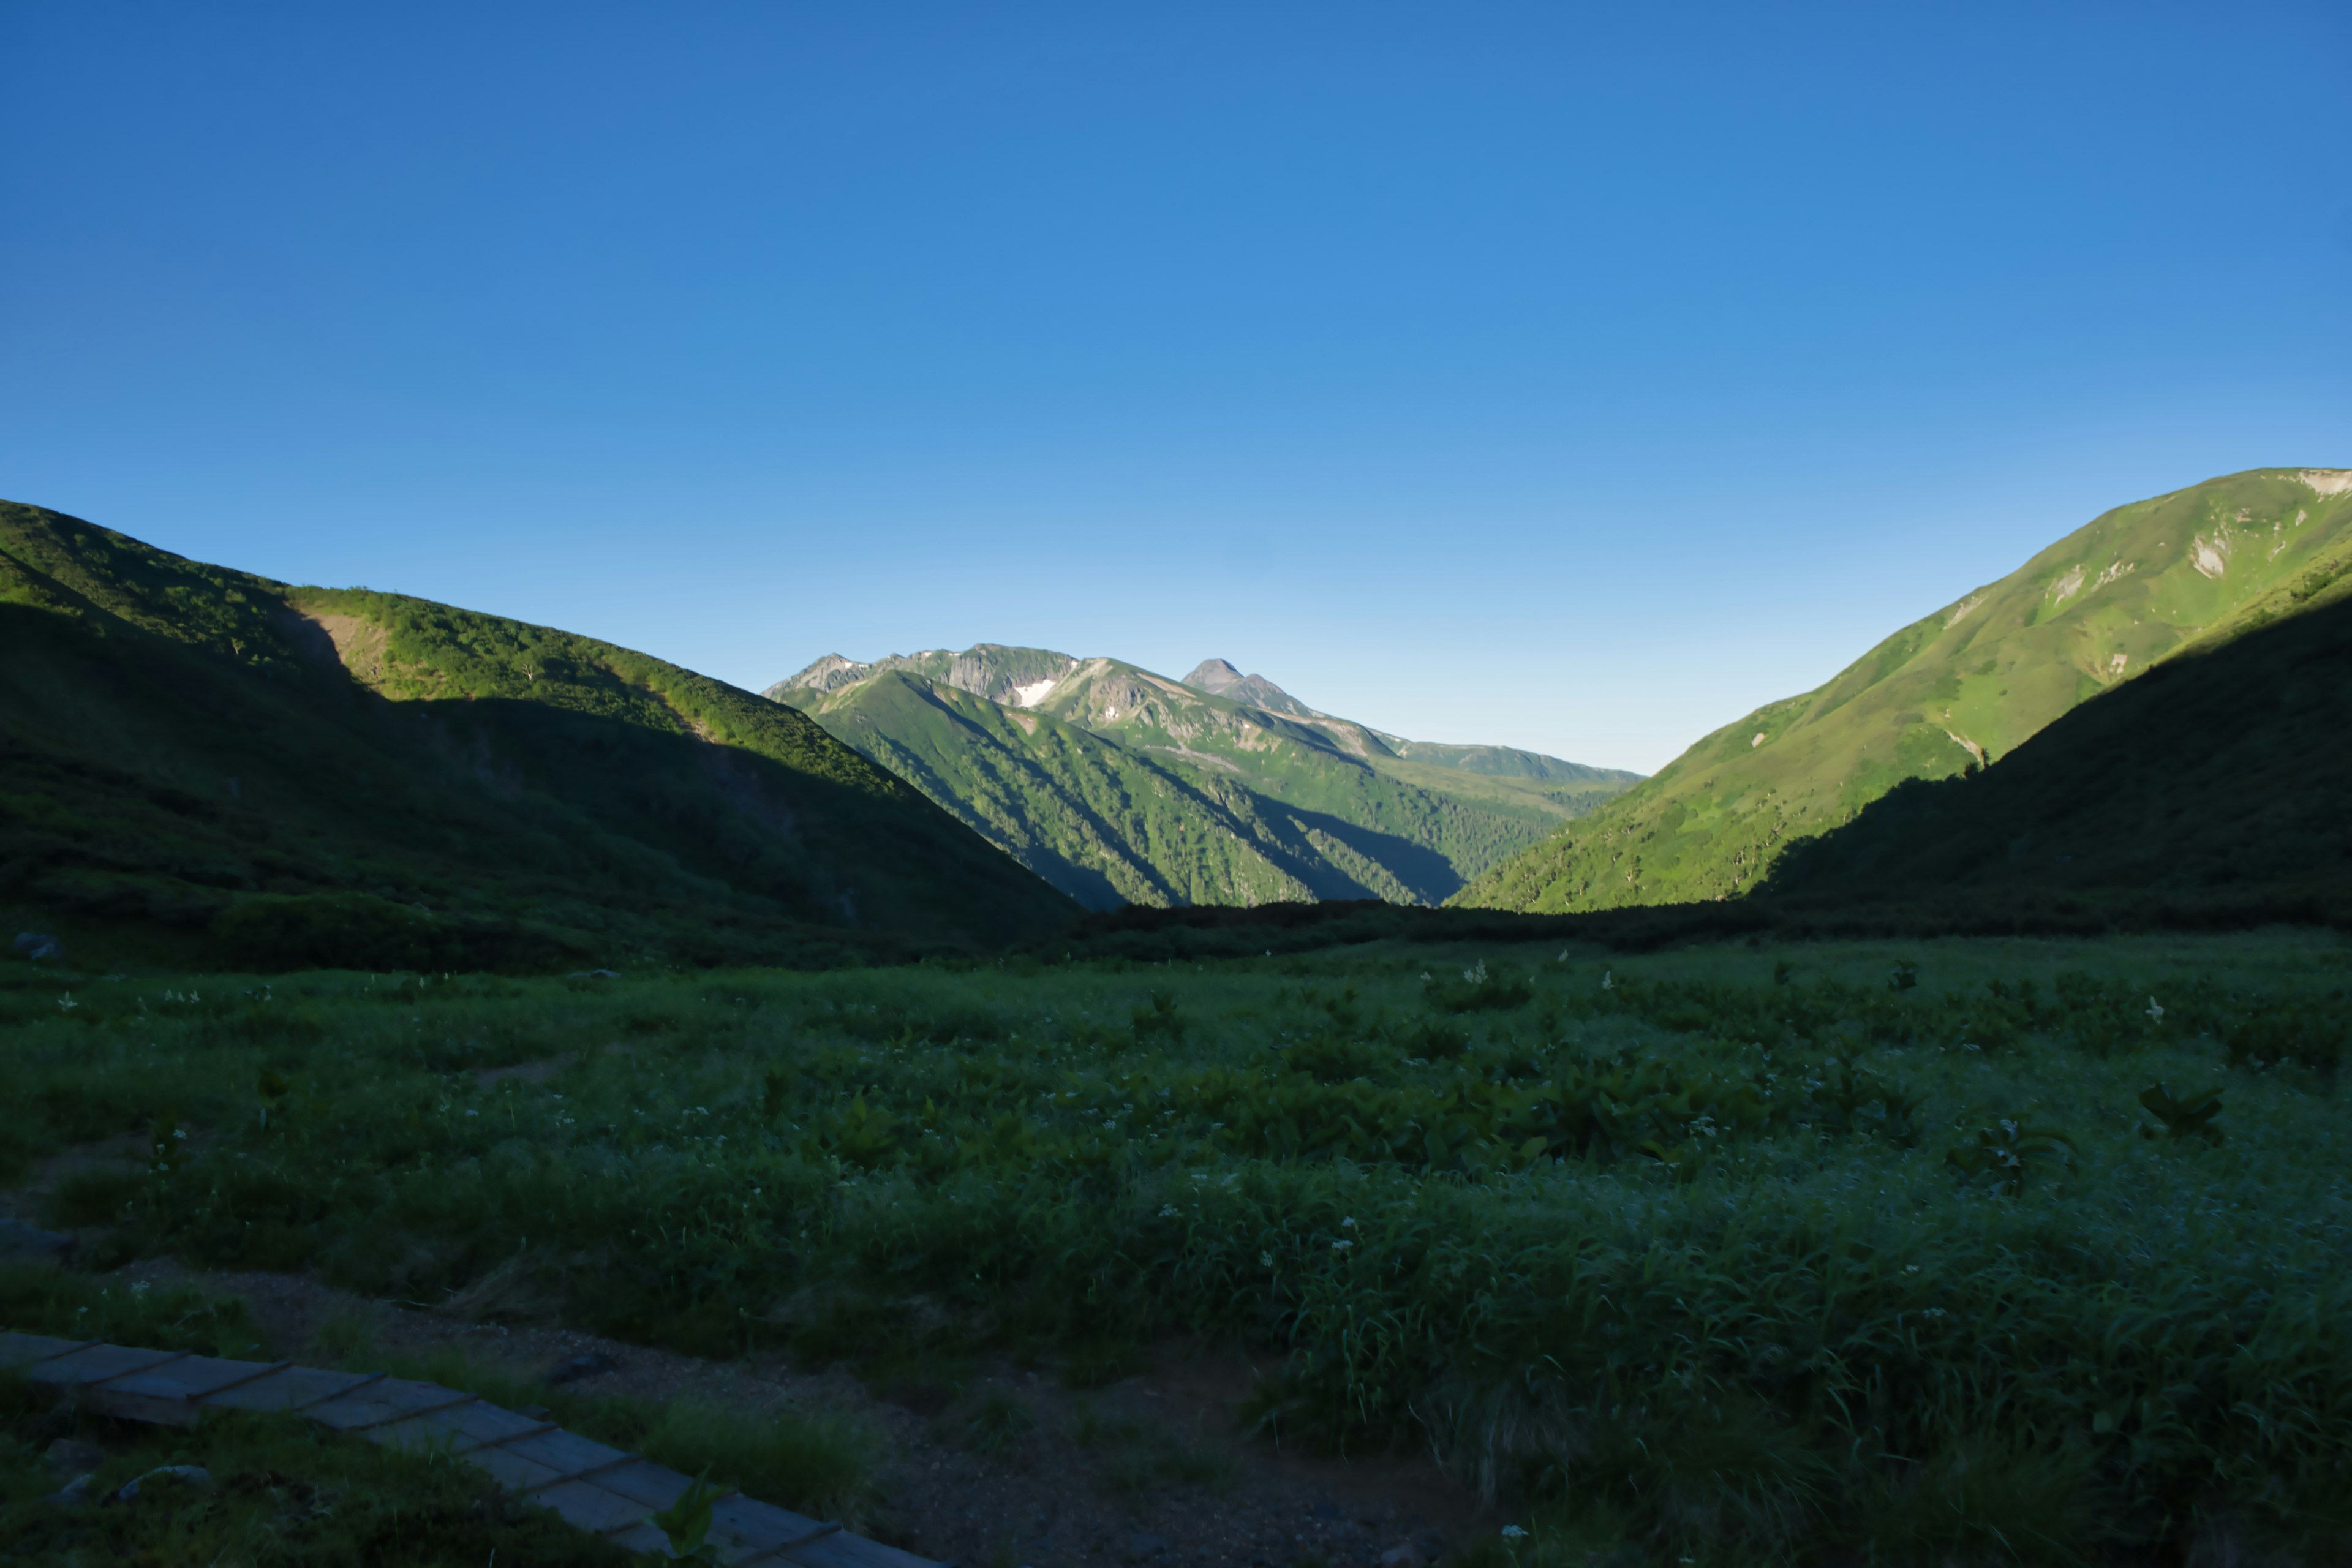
x=2210, y=789
x=206, y=767
x=1975, y=680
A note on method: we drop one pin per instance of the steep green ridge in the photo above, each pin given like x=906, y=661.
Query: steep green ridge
x=2214, y=780
x=210, y=765
x=1121, y=786
x=1969, y=682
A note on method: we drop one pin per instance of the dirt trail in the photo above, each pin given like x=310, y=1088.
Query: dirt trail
x=1153, y=1469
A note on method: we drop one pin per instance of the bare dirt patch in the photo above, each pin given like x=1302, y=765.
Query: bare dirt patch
x=527, y=1072
x=1010, y=1467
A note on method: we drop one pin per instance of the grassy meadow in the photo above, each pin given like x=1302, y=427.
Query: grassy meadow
x=1925, y=1251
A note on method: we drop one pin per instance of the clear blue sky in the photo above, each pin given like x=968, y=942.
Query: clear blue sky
x=1578, y=377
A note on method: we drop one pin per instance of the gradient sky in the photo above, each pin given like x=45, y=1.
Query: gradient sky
x=1576, y=377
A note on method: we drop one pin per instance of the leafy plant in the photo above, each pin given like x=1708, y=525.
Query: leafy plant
x=2009, y=1153
x=686, y=1524
x=2190, y=1116
x=1160, y=1021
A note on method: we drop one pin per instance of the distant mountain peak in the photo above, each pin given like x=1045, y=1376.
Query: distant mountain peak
x=1213, y=675
x=1219, y=678
x=1017, y=677
x=827, y=674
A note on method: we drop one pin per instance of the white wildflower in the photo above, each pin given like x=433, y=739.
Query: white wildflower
x=1167, y=1211
x=1608, y=981
x=2154, y=1011
x=1265, y=1260
x=1348, y=1224
x=1342, y=1246
x=1512, y=1533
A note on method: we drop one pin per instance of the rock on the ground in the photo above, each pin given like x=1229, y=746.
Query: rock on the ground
x=572, y=1369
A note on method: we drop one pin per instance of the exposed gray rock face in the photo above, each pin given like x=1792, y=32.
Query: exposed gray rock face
x=1017, y=677
x=1213, y=675
x=1218, y=678
x=830, y=673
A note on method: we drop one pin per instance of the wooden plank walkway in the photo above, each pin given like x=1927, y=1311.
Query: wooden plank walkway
x=598, y=1488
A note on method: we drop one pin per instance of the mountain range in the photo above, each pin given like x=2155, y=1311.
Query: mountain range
x=209, y=766
x=1954, y=691
x=200, y=766
x=1118, y=785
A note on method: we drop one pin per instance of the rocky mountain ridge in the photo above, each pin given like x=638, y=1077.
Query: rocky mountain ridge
x=1119, y=784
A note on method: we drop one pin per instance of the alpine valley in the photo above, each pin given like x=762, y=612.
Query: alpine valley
x=1120, y=787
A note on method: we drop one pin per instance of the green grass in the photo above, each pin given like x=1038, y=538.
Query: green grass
x=282, y=1490
x=196, y=770
x=1773, y=1253
x=2127, y=590
x=819, y=1463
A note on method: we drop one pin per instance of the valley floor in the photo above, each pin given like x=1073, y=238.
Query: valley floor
x=1928, y=1251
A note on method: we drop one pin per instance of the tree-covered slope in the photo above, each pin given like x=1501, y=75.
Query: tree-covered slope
x=1119, y=785
x=2214, y=782
x=220, y=766
x=1965, y=684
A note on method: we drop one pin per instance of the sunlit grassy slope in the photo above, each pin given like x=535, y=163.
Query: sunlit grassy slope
x=1969, y=682
x=2216, y=780
x=1119, y=785
x=219, y=766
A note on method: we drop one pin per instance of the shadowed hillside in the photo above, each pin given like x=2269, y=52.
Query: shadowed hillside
x=1948, y=693
x=214, y=767
x=2216, y=782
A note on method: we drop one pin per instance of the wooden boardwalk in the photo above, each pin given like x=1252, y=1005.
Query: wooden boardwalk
x=599, y=1488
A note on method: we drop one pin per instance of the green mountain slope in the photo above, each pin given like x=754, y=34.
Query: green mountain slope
x=1121, y=786
x=223, y=767
x=1969, y=682
x=2214, y=782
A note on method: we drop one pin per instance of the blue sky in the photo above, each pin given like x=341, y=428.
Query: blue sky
x=1574, y=377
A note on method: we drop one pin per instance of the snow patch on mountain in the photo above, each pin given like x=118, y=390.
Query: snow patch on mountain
x=1033, y=693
